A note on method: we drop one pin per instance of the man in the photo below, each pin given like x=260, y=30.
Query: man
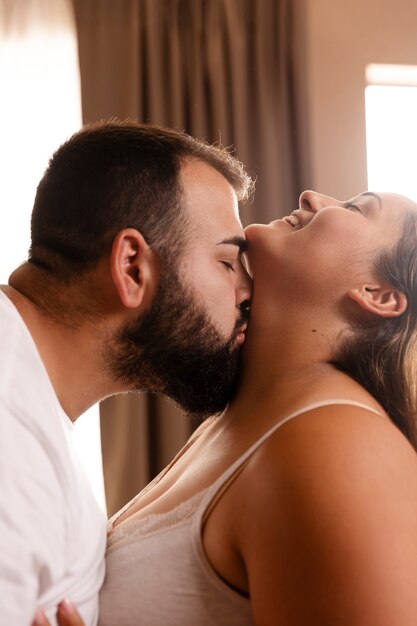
x=134, y=282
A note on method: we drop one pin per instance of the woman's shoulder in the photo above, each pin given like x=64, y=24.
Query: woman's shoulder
x=330, y=506
x=334, y=439
x=331, y=462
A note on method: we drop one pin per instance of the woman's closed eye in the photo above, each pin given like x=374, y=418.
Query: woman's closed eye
x=351, y=207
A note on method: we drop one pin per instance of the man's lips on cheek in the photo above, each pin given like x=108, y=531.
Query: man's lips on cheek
x=240, y=338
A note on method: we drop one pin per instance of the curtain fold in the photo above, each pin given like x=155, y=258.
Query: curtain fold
x=228, y=71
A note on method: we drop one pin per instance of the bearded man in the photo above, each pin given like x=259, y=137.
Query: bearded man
x=134, y=282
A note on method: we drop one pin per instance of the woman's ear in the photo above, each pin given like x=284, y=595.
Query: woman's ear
x=133, y=266
x=381, y=300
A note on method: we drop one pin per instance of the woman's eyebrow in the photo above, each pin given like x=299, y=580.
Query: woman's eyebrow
x=240, y=242
x=375, y=195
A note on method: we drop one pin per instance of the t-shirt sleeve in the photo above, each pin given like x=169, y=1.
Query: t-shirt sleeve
x=32, y=522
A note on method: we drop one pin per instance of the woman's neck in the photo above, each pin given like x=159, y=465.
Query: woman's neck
x=288, y=365
x=288, y=344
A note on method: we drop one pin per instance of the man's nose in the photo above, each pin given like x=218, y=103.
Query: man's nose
x=312, y=201
x=244, y=286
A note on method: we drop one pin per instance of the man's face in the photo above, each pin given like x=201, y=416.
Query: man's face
x=186, y=346
x=210, y=264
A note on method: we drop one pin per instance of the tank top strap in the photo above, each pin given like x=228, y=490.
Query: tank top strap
x=224, y=478
x=210, y=495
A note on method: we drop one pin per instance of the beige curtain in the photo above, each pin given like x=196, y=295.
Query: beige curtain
x=229, y=71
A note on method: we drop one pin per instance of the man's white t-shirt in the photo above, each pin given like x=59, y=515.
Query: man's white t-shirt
x=52, y=531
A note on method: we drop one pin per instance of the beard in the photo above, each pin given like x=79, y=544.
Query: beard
x=174, y=349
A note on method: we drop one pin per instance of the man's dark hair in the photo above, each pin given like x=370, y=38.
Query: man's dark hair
x=116, y=175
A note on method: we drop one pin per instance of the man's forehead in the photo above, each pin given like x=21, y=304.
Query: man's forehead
x=197, y=178
x=210, y=203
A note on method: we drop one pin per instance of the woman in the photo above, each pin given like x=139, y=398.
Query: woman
x=299, y=505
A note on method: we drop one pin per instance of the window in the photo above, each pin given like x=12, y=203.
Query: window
x=40, y=106
x=391, y=128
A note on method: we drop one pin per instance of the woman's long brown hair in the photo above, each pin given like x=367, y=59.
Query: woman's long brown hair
x=382, y=355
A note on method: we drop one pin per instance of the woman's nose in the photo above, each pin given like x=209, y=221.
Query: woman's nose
x=313, y=201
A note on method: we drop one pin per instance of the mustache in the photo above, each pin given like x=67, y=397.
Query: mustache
x=242, y=319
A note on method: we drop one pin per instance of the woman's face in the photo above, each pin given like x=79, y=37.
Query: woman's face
x=325, y=247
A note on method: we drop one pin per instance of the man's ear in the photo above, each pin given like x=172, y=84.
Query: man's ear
x=381, y=300
x=133, y=268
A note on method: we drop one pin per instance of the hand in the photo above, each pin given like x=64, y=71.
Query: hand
x=67, y=615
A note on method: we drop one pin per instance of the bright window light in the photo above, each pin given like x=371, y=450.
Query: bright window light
x=87, y=440
x=40, y=107
x=391, y=128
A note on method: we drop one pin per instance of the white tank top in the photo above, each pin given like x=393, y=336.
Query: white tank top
x=157, y=570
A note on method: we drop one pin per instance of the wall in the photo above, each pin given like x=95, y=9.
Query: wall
x=340, y=40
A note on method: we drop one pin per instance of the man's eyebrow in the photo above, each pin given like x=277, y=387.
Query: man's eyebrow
x=240, y=242
x=375, y=195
